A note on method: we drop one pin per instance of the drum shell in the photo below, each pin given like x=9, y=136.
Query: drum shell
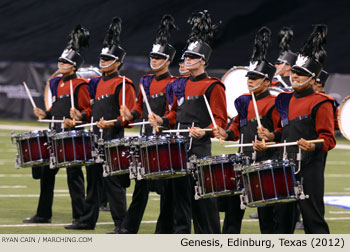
x=33, y=148
x=269, y=182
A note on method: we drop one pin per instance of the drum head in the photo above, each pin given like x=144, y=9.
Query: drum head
x=87, y=73
x=236, y=84
x=343, y=118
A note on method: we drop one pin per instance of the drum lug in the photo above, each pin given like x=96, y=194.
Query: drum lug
x=132, y=171
x=17, y=162
x=244, y=200
x=13, y=135
x=140, y=172
x=198, y=192
x=299, y=191
x=105, y=173
x=52, y=162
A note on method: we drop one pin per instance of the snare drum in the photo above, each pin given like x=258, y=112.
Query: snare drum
x=33, y=148
x=218, y=175
x=269, y=182
x=343, y=117
x=72, y=148
x=163, y=157
x=117, y=156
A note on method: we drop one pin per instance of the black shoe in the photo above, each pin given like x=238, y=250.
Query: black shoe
x=115, y=231
x=299, y=225
x=123, y=231
x=37, y=219
x=79, y=226
x=254, y=216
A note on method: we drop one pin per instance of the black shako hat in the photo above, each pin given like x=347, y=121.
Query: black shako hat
x=312, y=55
x=259, y=65
x=77, y=39
x=160, y=45
x=111, y=48
x=286, y=56
x=322, y=77
x=201, y=35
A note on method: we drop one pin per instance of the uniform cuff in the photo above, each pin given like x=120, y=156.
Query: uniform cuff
x=318, y=147
x=118, y=124
x=231, y=135
x=135, y=114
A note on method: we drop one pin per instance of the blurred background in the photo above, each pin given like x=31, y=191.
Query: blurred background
x=33, y=34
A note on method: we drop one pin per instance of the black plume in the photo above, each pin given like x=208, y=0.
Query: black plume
x=313, y=47
x=285, y=36
x=202, y=28
x=167, y=24
x=113, y=33
x=261, y=43
x=78, y=38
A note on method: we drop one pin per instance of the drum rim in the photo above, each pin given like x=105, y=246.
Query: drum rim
x=71, y=133
x=31, y=134
x=339, y=117
x=266, y=164
x=232, y=69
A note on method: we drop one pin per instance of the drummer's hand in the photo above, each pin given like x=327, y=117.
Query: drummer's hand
x=259, y=146
x=220, y=133
x=39, y=113
x=68, y=123
x=75, y=114
x=265, y=134
x=305, y=145
x=125, y=112
x=195, y=132
x=155, y=120
x=103, y=124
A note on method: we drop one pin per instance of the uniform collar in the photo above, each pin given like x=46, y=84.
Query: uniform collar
x=199, y=77
x=111, y=76
x=69, y=77
x=304, y=93
x=262, y=95
x=162, y=76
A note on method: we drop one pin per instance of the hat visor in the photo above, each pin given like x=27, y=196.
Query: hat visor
x=158, y=55
x=107, y=57
x=255, y=74
x=300, y=71
x=66, y=61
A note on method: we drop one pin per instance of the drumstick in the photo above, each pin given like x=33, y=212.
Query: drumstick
x=256, y=110
x=295, y=143
x=138, y=123
x=247, y=145
x=55, y=121
x=183, y=130
x=94, y=123
x=211, y=115
x=71, y=97
x=147, y=104
x=29, y=95
x=123, y=95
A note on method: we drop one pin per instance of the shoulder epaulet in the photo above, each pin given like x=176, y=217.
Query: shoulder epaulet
x=127, y=79
x=83, y=79
x=325, y=95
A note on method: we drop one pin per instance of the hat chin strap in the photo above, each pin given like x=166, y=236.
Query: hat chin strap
x=258, y=86
x=295, y=84
x=64, y=68
x=183, y=72
x=106, y=66
x=199, y=60
x=278, y=72
x=159, y=67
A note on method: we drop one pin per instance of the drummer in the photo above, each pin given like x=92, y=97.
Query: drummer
x=189, y=108
x=106, y=98
x=285, y=60
x=154, y=85
x=308, y=115
x=260, y=74
x=68, y=64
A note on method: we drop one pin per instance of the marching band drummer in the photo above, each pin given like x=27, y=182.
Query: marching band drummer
x=107, y=95
x=308, y=115
x=189, y=107
x=285, y=60
x=68, y=64
x=161, y=56
x=260, y=74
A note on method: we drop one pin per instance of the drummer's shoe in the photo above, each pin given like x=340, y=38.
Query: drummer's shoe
x=254, y=216
x=79, y=226
x=299, y=225
x=115, y=231
x=123, y=231
x=37, y=219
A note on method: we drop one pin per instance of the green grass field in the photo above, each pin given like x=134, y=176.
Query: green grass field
x=19, y=195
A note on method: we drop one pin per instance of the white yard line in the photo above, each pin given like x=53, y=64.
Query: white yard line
x=339, y=212
x=338, y=163
x=12, y=186
x=59, y=195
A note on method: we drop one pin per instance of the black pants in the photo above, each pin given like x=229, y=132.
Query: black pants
x=233, y=215
x=93, y=195
x=75, y=180
x=116, y=196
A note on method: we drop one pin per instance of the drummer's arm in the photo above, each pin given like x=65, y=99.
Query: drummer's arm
x=276, y=119
x=130, y=97
x=138, y=106
x=169, y=119
x=84, y=103
x=324, y=124
x=233, y=131
x=217, y=104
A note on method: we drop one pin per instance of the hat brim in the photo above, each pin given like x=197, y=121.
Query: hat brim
x=255, y=74
x=300, y=71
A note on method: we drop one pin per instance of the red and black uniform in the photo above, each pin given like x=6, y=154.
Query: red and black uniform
x=189, y=107
x=106, y=93
x=309, y=115
x=245, y=124
x=154, y=87
x=60, y=90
